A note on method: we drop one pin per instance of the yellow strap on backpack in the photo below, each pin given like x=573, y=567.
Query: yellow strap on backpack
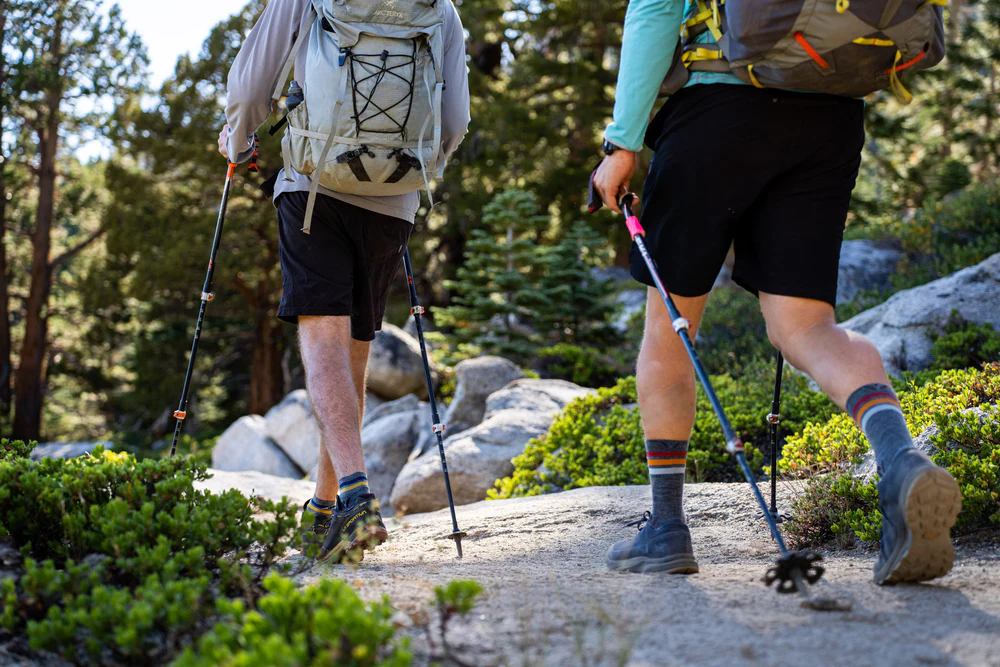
x=701, y=54
x=753, y=78
x=898, y=89
x=713, y=26
x=873, y=41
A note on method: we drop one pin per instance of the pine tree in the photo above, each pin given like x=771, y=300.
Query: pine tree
x=497, y=291
x=579, y=309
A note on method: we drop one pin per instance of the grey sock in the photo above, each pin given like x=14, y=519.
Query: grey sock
x=352, y=486
x=875, y=409
x=667, y=460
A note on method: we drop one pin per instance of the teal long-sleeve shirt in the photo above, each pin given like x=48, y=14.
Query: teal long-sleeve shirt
x=652, y=29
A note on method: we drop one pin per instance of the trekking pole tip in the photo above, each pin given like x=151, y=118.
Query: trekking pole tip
x=457, y=536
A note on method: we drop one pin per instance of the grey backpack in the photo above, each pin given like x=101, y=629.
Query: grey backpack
x=370, y=122
x=841, y=47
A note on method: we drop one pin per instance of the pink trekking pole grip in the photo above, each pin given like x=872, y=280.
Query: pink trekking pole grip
x=631, y=221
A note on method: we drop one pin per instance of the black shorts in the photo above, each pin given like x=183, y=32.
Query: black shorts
x=768, y=172
x=344, y=267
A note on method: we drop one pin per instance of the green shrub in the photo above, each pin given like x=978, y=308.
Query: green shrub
x=838, y=506
x=15, y=449
x=964, y=344
x=732, y=334
x=325, y=624
x=596, y=441
x=838, y=443
x=124, y=562
x=584, y=366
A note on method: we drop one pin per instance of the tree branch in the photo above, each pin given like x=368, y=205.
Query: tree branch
x=69, y=254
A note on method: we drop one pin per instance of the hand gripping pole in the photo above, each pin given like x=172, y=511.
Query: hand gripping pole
x=180, y=414
x=438, y=427
x=796, y=568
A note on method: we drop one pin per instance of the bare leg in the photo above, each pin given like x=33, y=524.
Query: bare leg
x=329, y=353
x=326, y=476
x=665, y=376
x=807, y=334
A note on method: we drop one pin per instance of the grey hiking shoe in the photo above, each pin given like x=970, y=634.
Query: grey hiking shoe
x=920, y=502
x=353, y=529
x=659, y=547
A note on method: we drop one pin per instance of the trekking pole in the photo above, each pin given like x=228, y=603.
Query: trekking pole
x=438, y=427
x=793, y=568
x=773, y=419
x=180, y=414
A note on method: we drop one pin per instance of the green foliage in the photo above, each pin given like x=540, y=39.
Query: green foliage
x=596, y=441
x=585, y=366
x=839, y=443
x=458, y=597
x=123, y=558
x=15, y=449
x=496, y=290
x=839, y=506
x=324, y=624
x=577, y=309
x=732, y=332
x=964, y=344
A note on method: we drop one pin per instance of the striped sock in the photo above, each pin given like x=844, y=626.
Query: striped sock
x=352, y=486
x=667, y=460
x=321, y=507
x=875, y=409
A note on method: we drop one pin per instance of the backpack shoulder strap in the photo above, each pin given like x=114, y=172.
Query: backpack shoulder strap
x=305, y=28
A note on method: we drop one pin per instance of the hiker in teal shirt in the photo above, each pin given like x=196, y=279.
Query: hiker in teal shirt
x=769, y=173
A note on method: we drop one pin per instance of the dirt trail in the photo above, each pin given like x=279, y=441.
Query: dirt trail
x=549, y=600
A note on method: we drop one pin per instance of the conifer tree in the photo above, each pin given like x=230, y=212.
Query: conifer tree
x=578, y=310
x=497, y=289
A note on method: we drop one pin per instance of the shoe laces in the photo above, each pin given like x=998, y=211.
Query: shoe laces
x=641, y=522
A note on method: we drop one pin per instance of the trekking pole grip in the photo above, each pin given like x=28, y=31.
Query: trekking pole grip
x=631, y=220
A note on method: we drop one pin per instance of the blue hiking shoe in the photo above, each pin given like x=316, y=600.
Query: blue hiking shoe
x=659, y=547
x=920, y=502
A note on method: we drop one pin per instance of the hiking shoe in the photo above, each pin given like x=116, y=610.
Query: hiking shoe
x=353, y=529
x=920, y=502
x=659, y=547
x=315, y=532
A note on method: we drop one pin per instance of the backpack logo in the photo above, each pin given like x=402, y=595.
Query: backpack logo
x=389, y=9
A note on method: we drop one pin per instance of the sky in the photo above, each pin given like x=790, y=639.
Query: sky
x=170, y=29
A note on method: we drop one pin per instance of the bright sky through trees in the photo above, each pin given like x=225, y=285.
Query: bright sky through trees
x=173, y=28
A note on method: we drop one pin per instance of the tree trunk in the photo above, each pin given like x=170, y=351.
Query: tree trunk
x=266, y=376
x=30, y=379
x=5, y=363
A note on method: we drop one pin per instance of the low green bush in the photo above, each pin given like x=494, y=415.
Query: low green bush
x=732, y=335
x=585, y=366
x=964, y=344
x=838, y=443
x=598, y=441
x=837, y=506
x=123, y=562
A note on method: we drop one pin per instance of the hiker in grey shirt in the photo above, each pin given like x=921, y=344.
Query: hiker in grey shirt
x=336, y=278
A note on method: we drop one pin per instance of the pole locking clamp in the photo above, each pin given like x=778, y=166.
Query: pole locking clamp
x=417, y=310
x=207, y=296
x=773, y=418
x=439, y=428
x=681, y=324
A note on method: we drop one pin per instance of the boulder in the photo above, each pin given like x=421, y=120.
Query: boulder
x=65, y=450
x=899, y=327
x=291, y=425
x=387, y=444
x=480, y=455
x=476, y=379
x=864, y=266
x=253, y=483
x=630, y=302
x=395, y=367
x=246, y=445
x=371, y=402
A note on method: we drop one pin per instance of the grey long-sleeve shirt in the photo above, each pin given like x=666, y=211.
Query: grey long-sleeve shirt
x=254, y=76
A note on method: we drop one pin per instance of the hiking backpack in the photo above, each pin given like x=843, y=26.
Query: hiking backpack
x=841, y=47
x=370, y=122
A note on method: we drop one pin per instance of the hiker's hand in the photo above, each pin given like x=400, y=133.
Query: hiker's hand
x=224, y=141
x=613, y=176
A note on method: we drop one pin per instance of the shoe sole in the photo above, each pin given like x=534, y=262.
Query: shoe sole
x=358, y=547
x=643, y=565
x=932, y=501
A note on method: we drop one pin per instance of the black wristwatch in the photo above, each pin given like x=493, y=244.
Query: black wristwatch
x=609, y=147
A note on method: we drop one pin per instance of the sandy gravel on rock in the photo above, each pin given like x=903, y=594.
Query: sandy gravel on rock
x=549, y=600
